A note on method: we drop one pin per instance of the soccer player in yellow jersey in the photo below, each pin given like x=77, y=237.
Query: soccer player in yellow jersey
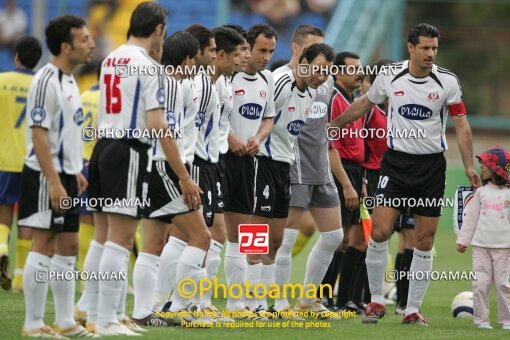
x=14, y=87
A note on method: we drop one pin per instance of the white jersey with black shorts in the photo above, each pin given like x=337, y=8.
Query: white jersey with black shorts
x=224, y=87
x=190, y=110
x=276, y=153
x=164, y=192
x=253, y=100
x=118, y=166
x=54, y=104
x=415, y=168
x=204, y=170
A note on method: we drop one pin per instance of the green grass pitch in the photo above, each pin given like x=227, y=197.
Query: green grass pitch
x=436, y=307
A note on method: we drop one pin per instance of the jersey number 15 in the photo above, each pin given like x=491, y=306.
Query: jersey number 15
x=113, y=98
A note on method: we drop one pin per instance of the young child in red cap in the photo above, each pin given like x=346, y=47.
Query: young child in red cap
x=486, y=226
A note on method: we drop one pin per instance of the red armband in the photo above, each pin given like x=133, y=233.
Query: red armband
x=457, y=109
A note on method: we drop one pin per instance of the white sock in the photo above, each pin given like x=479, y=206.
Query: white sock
x=376, y=261
x=189, y=266
x=90, y=296
x=166, y=271
x=422, y=262
x=266, y=278
x=63, y=290
x=121, y=305
x=320, y=258
x=197, y=299
x=253, y=273
x=37, y=268
x=145, y=275
x=212, y=263
x=283, y=263
x=114, y=259
x=235, y=273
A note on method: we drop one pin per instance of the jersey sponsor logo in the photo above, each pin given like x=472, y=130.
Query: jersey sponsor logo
x=199, y=119
x=295, y=127
x=38, y=114
x=160, y=95
x=170, y=117
x=415, y=112
x=433, y=96
x=399, y=93
x=262, y=94
x=319, y=110
x=239, y=92
x=322, y=90
x=251, y=111
x=79, y=118
x=291, y=109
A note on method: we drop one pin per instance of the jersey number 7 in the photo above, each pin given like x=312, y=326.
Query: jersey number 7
x=19, y=122
x=113, y=98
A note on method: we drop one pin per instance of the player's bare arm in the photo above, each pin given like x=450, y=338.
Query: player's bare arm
x=266, y=126
x=190, y=190
x=465, y=142
x=43, y=153
x=235, y=145
x=357, y=109
x=351, y=196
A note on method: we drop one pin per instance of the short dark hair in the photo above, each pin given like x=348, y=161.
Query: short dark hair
x=239, y=29
x=312, y=51
x=226, y=39
x=422, y=30
x=378, y=66
x=201, y=33
x=340, y=57
x=59, y=29
x=29, y=51
x=145, y=18
x=259, y=29
x=302, y=31
x=177, y=47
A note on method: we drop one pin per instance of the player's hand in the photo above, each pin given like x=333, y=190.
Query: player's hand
x=364, y=192
x=57, y=192
x=191, y=193
x=351, y=198
x=252, y=147
x=461, y=248
x=82, y=183
x=472, y=175
x=236, y=146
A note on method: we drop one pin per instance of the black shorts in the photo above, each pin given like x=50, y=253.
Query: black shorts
x=238, y=184
x=372, y=177
x=35, y=207
x=272, y=188
x=205, y=174
x=404, y=221
x=405, y=177
x=220, y=168
x=355, y=174
x=117, y=171
x=164, y=193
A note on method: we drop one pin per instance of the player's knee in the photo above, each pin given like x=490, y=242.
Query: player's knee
x=424, y=241
x=275, y=242
x=379, y=234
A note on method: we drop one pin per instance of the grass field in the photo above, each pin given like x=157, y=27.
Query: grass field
x=436, y=307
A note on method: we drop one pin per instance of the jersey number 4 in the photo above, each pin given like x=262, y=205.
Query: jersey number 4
x=113, y=98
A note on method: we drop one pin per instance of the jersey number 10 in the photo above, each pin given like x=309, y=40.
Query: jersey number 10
x=113, y=98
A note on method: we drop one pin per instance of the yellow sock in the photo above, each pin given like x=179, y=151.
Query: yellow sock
x=4, y=238
x=22, y=249
x=85, y=235
x=301, y=242
x=136, y=249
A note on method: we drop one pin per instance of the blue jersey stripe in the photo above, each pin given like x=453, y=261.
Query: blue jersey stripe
x=135, y=106
x=61, y=150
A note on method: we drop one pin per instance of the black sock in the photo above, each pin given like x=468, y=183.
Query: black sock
x=347, y=271
x=398, y=261
x=358, y=278
x=331, y=276
x=405, y=266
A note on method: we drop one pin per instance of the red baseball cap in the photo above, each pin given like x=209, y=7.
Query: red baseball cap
x=497, y=160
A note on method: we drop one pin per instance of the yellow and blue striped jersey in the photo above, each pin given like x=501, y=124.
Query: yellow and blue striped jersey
x=90, y=103
x=14, y=86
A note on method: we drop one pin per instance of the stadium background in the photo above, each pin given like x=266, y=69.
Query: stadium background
x=474, y=44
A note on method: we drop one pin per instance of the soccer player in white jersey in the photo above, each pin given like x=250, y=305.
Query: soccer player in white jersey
x=421, y=95
x=250, y=123
x=294, y=97
x=51, y=176
x=118, y=165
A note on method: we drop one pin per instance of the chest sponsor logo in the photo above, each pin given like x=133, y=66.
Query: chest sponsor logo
x=319, y=110
x=415, y=112
x=251, y=111
x=433, y=97
x=78, y=117
x=295, y=127
x=239, y=92
x=399, y=93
